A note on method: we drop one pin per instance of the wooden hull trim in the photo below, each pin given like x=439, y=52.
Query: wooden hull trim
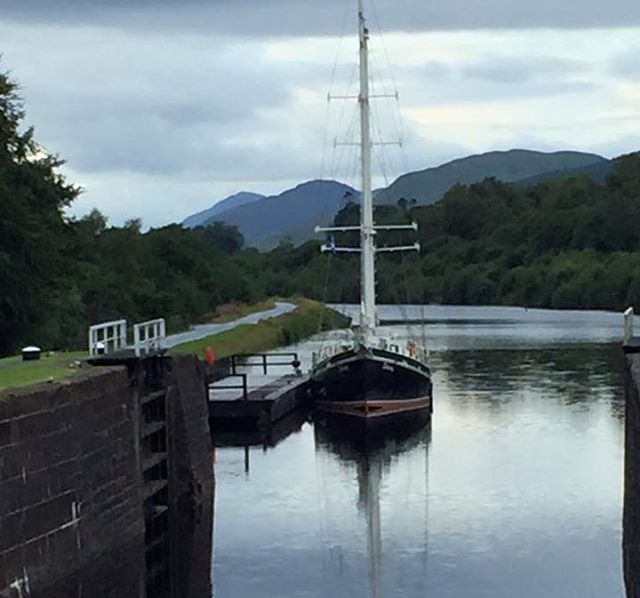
x=374, y=408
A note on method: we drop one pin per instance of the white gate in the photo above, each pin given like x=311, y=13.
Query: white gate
x=149, y=336
x=107, y=337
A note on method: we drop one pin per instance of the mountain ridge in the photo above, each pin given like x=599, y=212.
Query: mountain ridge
x=270, y=219
x=228, y=203
x=430, y=184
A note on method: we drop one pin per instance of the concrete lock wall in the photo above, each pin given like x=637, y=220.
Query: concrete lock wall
x=72, y=494
x=631, y=518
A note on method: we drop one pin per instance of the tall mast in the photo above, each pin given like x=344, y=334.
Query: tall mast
x=367, y=231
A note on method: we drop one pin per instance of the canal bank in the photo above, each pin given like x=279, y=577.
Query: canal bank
x=631, y=526
x=106, y=475
x=97, y=473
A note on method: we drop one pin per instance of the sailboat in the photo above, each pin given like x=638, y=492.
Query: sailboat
x=369, y=377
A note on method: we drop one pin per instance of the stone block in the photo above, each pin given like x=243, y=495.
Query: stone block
x=5, y=433
x=11, y=530
x=12, y=461
x=11, y=566
x=49, y=515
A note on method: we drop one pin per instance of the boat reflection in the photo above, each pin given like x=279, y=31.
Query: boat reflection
x=372, y=455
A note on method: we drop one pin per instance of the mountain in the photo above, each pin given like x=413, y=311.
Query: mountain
x=598, y=171
x=428, y=186
x=233, y=201
x=293, y=214
x=290, y=215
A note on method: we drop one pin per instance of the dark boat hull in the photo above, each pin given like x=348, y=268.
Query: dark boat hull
x=372, y=386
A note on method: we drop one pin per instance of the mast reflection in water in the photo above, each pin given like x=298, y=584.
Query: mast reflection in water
x=372, y=455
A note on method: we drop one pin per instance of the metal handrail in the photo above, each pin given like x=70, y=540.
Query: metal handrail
x=264, y=357
x=243, y=386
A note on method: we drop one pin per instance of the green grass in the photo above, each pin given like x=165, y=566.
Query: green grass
x=15, y=373
x=283, y=330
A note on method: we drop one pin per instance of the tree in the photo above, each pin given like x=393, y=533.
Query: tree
x=33, y=273
x=224, y=237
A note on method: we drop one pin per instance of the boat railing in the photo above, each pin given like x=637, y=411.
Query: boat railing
x=409, y=349
x=328, y=352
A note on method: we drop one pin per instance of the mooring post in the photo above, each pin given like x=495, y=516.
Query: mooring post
x=628, y=325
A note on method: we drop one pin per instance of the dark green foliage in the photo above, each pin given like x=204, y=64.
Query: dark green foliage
x=33, y=281
x=566, y=243
x=569, y=243
x=57, y=275
x=223, y=237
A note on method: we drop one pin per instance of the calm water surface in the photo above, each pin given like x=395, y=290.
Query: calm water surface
x=514, y=491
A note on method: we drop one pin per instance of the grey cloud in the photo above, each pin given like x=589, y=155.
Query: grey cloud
x=506, y=69
x=626, y=65
x=496, y=79
x=310, y=17
x=150, y=108
x=135, y=109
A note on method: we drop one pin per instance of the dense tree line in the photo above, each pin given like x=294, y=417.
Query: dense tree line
x=59, y=274
x=566, y=244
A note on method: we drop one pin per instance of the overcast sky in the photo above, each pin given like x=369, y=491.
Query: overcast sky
x=162, y=107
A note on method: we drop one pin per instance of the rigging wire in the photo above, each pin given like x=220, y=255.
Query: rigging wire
x=345, y=155
x=402, y=306
x=399, y=130
x=333, y=165
x=325, y=291
x=396, y=114
x=332, y=82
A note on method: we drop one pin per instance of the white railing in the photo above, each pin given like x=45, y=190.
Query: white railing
x=628, y=325
x=107, y=337
x=149, y=336
x=327, y=352
x=409, y=348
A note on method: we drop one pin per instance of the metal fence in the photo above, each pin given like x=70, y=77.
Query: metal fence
x=149, y=336
x=107, y=337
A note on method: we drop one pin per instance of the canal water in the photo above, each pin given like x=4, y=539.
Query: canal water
x=515, y=490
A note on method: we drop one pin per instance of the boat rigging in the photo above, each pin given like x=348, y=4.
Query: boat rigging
x=370, y=376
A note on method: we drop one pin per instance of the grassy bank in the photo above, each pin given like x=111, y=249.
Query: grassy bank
x=15, y=373
x=306, y=320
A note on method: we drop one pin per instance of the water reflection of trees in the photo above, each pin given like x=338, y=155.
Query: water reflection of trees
x=570, y=375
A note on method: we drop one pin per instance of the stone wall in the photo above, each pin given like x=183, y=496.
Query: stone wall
x=69, y=490
x=72, y=491
x=631, y=520
x=190, y=441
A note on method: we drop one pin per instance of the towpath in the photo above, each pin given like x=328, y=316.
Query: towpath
x=201, y=330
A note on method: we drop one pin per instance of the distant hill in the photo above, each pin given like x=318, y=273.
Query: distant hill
x=233, y=201
x=291, y=215
x=598, y=171
x=428, y=186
